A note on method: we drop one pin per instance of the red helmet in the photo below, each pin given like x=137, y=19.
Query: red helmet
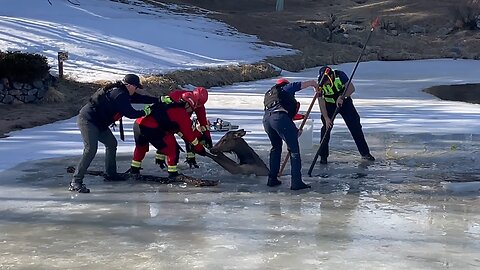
x=282, y=81
x=190, y=98
x=201, y=95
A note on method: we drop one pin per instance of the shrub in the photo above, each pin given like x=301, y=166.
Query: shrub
x=467, y=15
x=23, y=67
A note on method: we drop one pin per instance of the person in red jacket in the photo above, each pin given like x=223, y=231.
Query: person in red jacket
x=159, y=129
x=200, y=95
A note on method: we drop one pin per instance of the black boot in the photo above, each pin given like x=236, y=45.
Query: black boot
x=78, y=187
x=299, y=185
x=173, y=175
x=273, y=182
x=134, y=170
x=368, y=157
x=114, y=178
x=323, y=160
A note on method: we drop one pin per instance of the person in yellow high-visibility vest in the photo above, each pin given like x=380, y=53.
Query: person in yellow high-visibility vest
x=332, y=87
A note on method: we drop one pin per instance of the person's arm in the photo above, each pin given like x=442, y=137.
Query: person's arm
x=323, y=110
x=142, y=99
x=125, y=108
x=201, y=114
x=309, y=83
x=181, y=117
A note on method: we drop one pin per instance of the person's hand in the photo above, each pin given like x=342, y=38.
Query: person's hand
x=147, y=110
x=328, y=123
x=206, y=139
x=340, y=101
x=192, y=162
x=199, y=149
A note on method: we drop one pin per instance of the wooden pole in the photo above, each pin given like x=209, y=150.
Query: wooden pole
x=60, y=66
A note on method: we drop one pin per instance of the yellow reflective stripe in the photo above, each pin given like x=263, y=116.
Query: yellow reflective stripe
x=172, y=168
x=180, y=134
x=195, y=142
x=160, y=156
x=338, y=84
x=190, y=155
x=329, y=100
x=328, y=90
x=136, y=164
x=166, y=99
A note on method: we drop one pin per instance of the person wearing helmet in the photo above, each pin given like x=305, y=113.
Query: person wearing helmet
x=194, y=102
x=280, y=107
x=106, y=106
x=159, y=129
x=331, y=87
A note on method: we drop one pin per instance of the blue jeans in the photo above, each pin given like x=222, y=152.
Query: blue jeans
x=279, y=126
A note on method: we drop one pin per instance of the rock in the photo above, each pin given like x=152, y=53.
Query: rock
x=32, y=92
x=30, y=99
x=37, y=84
x=15, y=92
x=346, y=28
x=8, y=99
x=415, y=29
x=17, y=85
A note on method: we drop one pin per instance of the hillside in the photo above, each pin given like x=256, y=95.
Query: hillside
x=334, y=31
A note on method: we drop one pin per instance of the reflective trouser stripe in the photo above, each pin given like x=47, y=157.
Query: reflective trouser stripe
x=160, y=156
x=172, y=168
x=195, y=142
x=190, y=155
x=136, y=164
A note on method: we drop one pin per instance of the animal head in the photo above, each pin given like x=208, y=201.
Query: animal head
x=229, y=141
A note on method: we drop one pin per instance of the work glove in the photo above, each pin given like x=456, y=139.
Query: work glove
x=206, y=139
x=192, y=162
x=161, y=163
x=199, y=149
x=147, y=110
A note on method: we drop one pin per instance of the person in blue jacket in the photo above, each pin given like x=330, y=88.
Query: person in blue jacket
x=106, y=106
x=280, y=108
x=332, y=87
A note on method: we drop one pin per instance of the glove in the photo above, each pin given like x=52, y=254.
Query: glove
x=192, y=162
x=206, y=140
x=161, y=163
x=147, y=110
x=199, y=149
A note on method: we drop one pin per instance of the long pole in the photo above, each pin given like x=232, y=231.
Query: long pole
x=375, y=23
x=287, y=157
x=307, y=114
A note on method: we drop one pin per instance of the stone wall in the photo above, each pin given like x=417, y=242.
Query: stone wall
x=12, y=92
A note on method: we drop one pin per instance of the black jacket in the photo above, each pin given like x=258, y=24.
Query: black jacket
x=109, y=104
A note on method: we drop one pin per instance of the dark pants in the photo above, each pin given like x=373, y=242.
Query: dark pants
x=352, y=120
x=279, y=126
x=91, y=135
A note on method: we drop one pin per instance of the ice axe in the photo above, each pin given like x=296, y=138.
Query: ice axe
x=374, y=24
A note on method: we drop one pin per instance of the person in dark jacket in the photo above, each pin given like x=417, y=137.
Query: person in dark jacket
x=332, y=87
x=280, y=108
x=105, y=107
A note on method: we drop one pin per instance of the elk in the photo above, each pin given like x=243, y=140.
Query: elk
x=249, y=161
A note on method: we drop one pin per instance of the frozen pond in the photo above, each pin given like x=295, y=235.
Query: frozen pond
x=397, y=213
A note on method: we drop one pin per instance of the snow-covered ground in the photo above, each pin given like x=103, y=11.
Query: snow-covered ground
x=397, y=213
x=105, y=39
